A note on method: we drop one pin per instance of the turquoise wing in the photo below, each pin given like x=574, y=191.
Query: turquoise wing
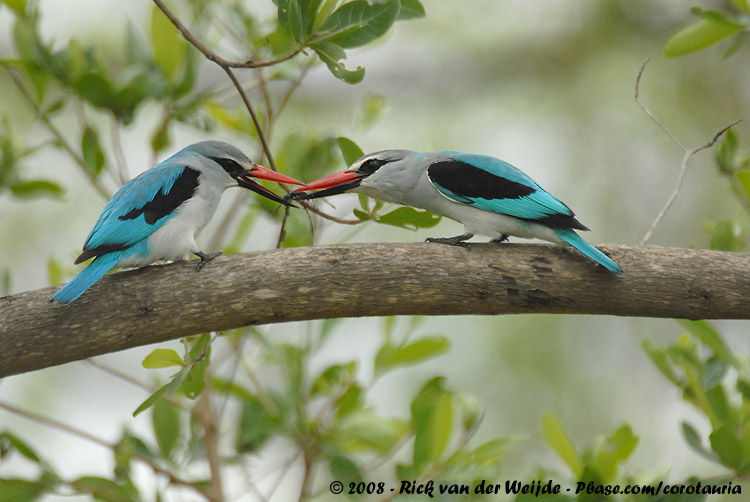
x=140, y=207
x=493, y=185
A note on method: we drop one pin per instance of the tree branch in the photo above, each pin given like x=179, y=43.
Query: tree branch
x=211, y=55
x=685, y=158
x=160, y=303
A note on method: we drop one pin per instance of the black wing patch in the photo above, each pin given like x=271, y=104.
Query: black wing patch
x=466, y=180
x=559, y=220
x=164, y=204
x=100, y=250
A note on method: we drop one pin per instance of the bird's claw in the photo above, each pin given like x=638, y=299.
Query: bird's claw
x=459, y=240
x=206, y=257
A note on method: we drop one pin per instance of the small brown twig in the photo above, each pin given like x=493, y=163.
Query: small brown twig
x=686, y=157
x=212, y=56
x=227, y=66
x=49, y=422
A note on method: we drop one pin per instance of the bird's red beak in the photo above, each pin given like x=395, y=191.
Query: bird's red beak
x=330, y=185
x=331, y=181
x=245, y=181
x=267, y=174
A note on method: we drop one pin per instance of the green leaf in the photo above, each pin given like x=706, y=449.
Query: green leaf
x=178, y=379
x=742, y=6
x=93, y=155
x=493, y=451
x=694, y=441
x=350, y=401
x=18, y=6
x=132, y=94
x=660, y=359
x=232, y=118
x=706, y=333
x=331, y=54
x=349, y=150
x=363, y=431
x=361, y=214
x=744, y=387
x=390, y=356
x=408, y=217
x=331, y=380
x=162, y=358
x=8, y=440
x=150, y=400
x=699, y=36
x=169, y=47
x=373, y=107
x=560, y=442
x=729, y=448
x=136, y=49
x=432, y=418
x=165, y=420
x=36, y=188
x=324, y=14
x=160, y=139
x=480, y=463
x=723, y=237
x=97, y=90
x=105, y=490
x=201, y=348
x=744, y=178
x=713, y=372
x=290, y=18
x=720, y=407
x=727, y=151
x=411, y=9
x=344, y=469
x=20, y=490
x=618, y=448
x=255, y=426
x=359, y=22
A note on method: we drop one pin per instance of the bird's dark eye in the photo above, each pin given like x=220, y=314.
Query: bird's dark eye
x=371, y=166
x=230, y=165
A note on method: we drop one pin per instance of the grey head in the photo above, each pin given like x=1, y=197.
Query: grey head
x=239, y=167
x=369, y=170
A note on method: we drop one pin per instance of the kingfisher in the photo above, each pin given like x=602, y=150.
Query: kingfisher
x=489, y=196
x=157, y=215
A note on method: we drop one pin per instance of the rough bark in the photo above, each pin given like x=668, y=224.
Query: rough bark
x=159, y=303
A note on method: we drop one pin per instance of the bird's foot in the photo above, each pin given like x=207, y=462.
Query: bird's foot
x=502, y=238
x=206, y=257
x=453, y=241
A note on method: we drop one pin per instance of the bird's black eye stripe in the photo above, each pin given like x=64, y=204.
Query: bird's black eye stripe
x=230, y=165
x=371, y=166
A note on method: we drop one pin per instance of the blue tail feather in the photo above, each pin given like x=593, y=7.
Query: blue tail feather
x=87, y=277
x=575, y=240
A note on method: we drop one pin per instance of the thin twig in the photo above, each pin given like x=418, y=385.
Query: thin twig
x=253, y=116
x=57, y=134
x=685, y=158
x=282, y=230
x=122, y=166
x=212, y=56
x=128, y=378
x=227, y=67
x=90, y=437
x=327, y=216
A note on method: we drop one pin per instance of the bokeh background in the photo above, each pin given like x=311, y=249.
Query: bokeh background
x=547, y=86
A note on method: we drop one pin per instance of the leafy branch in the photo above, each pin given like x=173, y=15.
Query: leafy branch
x=686, y=157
